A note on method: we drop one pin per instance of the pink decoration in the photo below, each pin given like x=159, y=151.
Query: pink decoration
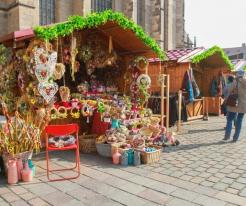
x=74, y=102
x=19, y=168
x=12, y=172
x=116, y=157
x=26, y=173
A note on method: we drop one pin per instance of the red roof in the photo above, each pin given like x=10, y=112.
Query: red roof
x=18, y=35
x=179, y=54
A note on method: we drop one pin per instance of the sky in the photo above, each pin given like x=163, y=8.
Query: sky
x=216, y=22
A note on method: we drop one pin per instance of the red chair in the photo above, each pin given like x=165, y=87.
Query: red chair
x=62, y=130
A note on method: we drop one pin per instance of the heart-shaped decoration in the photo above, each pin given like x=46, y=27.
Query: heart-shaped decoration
x=47, y=90
x=43, y=72
x=40, y=56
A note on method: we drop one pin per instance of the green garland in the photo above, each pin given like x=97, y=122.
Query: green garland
x=210, y=52
x=94, y=20
x=244, y=68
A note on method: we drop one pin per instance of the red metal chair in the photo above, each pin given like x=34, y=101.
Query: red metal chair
x=60, y=130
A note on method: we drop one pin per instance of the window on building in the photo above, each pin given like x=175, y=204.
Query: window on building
x=233, y=57
x=140, y=12
x=240, y=56
x=101, y=5
x=46, y=12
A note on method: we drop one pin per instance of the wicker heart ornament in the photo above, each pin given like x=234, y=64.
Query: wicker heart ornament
x=43, y=72
x=47, y=90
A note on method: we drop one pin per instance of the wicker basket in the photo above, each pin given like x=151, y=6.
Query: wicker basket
x=116, y=146
x=151, y=157
x=87, y=143
x=104, y=149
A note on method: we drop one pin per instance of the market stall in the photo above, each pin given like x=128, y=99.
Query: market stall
x=215, y=68
x=176, y=66
x=202, y=66
x=91, y=71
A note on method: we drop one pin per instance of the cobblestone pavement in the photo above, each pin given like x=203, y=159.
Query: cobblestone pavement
x=203, y=170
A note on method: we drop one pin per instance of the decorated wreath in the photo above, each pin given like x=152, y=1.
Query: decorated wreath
x=141, y=63
x=144, y=80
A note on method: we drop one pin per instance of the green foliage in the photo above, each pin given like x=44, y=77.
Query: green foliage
x=94, y=20
x=5, y=55
x=213, y=50
x=244, y=68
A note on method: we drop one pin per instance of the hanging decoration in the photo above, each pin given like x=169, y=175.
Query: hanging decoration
x=144, y=80
x=74, y=53
x=47, y=90
x=43, y=72
x=64, y=93
x=40, y=56
x=59, y=71
x=141, y=63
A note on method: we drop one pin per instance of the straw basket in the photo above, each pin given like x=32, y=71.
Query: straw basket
x=116, y=146
x=104, y=149
x=87, y=143
x=151, y=157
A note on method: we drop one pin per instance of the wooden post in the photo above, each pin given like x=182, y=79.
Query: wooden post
x=167, y=101
x=203, y=107
x=179, y=110
x=162, y=76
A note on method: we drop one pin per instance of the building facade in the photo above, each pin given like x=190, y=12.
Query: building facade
x=236, y=53
x=161, y=19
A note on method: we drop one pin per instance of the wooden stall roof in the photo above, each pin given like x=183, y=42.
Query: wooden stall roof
x=213, y=57
x=128, y=37
x=124, y=40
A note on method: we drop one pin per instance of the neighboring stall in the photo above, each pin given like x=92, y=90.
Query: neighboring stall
x=203, y=66
x=216, y=67
x=89, y=70
x=176, y=66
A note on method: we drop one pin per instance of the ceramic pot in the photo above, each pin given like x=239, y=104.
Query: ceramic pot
x=12, y=172
x=26, y=173
x=116, y=157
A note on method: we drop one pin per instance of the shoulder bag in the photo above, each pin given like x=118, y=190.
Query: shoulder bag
x=232, y=99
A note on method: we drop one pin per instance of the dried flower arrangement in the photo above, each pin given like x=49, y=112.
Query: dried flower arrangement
x=19, y=136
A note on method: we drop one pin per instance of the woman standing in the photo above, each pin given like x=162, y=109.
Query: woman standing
x=239, y=85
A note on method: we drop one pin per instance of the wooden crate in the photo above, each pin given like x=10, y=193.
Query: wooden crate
x=195, y=109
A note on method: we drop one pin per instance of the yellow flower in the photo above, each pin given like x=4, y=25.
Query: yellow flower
x=33, y=101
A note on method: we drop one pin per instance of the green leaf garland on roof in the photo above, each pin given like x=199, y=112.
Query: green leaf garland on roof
x=94, y=20
x=210, y=52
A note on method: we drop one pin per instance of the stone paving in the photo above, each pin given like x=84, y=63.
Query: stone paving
x=203, y=170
